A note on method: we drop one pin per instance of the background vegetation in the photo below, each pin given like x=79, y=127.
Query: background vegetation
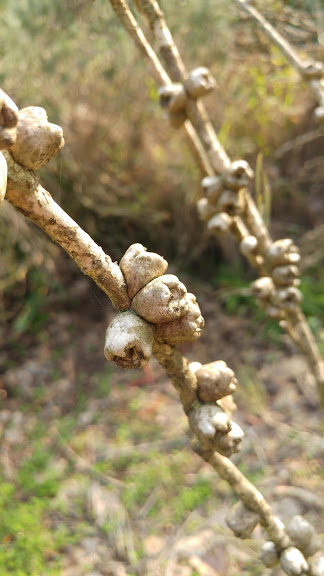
x=127, y=177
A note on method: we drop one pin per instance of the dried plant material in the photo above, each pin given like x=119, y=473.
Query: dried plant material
x=8, y=121
x=228, y=405
x=194, y=366
x=293, y=562
x=140, y=267
x=241, y=520
x=287, y=299
x=185, y=329
x=303, y=536
x=230, y=202
x=214, y=429
x=312, y=70
x=199, y=83
x=37, y=139
x=212, y=187
x=249, y=246
x=129, y=340
x=263, y=288
x=238, y=175
x=3, y=177
x=269, y=555
x=285, y=275
x=220, y=223
x=215, y=380
x=173, y=101
x=161, y=300
x=206, y=210
x=282, y=252
x=317, y=566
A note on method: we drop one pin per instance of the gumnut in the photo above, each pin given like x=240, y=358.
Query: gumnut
x=287, y=299
x=206, y=210
x=229, y=202
x=214, y=427
x=173, y=101
x=199, y=83
x=161, y=300
x=269, y=555
x=312, y=70
x=220, y=223
x=8, y=121
x=37, y=139
x=242, y=520
x=285, y=275
x=293, y=562
x=263, y=288
x=238, y=175
x=3, y=177
x=212, y=187
x=228, y=405
x=129, y=340
x=185, y=329
x=303, y=536
x=273, y=311
x=249, y=246
x=283, y=252
x=140, y=267
x=215, y=380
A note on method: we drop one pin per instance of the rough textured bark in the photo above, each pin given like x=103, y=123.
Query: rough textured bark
x=30, y=198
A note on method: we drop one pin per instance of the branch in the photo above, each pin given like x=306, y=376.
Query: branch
x=29, y=197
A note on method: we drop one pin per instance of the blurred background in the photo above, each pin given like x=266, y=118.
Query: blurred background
x=97, y=475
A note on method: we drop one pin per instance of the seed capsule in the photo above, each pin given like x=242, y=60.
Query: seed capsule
x=185, y=329
x=140, y=267
x=241, y=520
x=161, y=300
x=129, y=340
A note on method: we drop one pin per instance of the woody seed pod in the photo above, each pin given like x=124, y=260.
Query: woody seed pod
x=205, y=209
x=129, y=340
x=214, y=428
x=238, y=175
x=241, y=520
x=312, y=70
x=161, y=300
x=220, y=223
x=285, y=275
x=287, y=299
x=229, y=202
x=269, y=555
x=185, y=329
x=249, y=246
x=3, y=177
x=173, y=100
x=293, y=562
x=263, y=288
x=140, y=267
x=194, y=366
x=317, y=566
x=303, y=536
x=283, y=252
x=215, y=380
x=37, y=139
x=199, y=83
x=212, y=187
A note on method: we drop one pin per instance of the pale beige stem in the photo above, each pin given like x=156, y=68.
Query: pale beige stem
x=256, y=224
x=177, y=368
x=247, y=492
x=30, y=198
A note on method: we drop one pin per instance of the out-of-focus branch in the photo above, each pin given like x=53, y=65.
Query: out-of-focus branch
x=310, y=71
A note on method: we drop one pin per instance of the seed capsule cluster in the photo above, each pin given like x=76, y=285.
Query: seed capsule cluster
x=161, y=308
x=278, y=294
x=223, y=197
x=174, y=97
